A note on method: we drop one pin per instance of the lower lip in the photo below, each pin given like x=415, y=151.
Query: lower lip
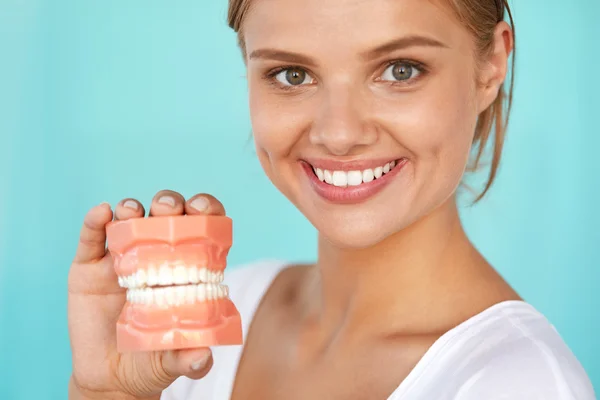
x=351, y=194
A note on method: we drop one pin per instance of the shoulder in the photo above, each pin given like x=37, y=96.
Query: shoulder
x=253, y=280
x=248, y=283
x=244, y=275
x=520, y=355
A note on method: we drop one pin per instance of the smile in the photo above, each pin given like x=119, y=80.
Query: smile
x=353, y=178
x=350, y=182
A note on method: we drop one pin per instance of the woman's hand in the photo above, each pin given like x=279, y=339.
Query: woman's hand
x=96, y=300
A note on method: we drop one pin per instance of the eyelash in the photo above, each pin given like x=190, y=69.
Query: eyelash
x=420, y=67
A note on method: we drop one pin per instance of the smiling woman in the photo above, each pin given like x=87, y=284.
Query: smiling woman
x=369, y=85
x=365, y=115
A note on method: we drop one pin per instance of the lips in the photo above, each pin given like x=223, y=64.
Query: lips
x=351, y=182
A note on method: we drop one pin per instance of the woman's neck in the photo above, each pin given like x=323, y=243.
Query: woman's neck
x=414, y=281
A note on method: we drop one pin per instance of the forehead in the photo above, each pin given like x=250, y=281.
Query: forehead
x=332, y=26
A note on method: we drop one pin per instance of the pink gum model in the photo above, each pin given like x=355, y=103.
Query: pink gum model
x=172, y=268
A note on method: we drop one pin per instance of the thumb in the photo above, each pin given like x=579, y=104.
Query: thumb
x=151, y=376
x=193, y=363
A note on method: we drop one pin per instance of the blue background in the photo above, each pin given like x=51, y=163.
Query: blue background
x=105, y=100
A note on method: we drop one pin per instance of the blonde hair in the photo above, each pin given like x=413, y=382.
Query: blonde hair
x=480, y=17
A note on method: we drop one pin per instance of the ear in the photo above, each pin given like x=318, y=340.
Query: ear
x=494, y=69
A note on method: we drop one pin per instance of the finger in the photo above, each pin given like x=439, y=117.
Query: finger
x=167, y=202
x=204, y=204
x=193, y=363
x=129, y=208
x=166, y=366
x=92, y=238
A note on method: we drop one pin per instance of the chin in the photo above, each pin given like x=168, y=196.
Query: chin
x=357, y=232
x=351, y=240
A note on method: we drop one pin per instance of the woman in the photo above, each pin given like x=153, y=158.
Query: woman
x=364, y=115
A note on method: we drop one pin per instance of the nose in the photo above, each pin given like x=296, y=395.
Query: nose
x=342, y=123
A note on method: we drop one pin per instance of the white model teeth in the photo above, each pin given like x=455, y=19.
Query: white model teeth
x=352, y=178
x=167, y=275
x=177, y=295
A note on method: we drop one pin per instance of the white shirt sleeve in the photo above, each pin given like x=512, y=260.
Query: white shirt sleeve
x=530, y=371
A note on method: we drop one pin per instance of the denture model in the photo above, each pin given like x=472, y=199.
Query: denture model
x=172, y=268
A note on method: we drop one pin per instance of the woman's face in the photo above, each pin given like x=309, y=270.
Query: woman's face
x=343, y=90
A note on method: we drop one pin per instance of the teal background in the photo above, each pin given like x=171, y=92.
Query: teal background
x=111, y=99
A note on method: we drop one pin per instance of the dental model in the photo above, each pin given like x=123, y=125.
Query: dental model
x=172, y=268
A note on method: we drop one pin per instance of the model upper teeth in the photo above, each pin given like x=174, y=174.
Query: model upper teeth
x=167, y=275
x=352, y=178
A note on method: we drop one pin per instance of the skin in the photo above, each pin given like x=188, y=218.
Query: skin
x=347, y=324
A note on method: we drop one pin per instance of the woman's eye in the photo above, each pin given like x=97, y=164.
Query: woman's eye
x=293, y=77
x=400, y=71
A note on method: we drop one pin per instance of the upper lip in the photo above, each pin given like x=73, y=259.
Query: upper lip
x=353, y=165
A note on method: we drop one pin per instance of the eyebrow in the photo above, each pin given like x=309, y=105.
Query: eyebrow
x=280, y=55
x=397, y=44
x=402, y=43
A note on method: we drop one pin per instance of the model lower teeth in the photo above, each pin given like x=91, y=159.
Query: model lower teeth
x=352, y=178
x=177, y=295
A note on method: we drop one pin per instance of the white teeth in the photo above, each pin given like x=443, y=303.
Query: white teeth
x=167, y=275
x=180, y=276
x=203, y=275
x=210, y=292
x=320, y=174
x=353, y=178
x=201, y=293
x=152, y=276
x=340, y=178
x=140, y=278
x=180, y=294
x=327, y=176
x=368, y=175
x=149, y=295
x=159, y=296
x=190, y=294
x=169, y=295
x=193, y=275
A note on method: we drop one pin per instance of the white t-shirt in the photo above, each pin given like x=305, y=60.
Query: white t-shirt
x=509, y=351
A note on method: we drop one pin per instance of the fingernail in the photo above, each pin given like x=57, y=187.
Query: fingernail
x=131, y=204
x=168, y=200
x=200, y=204
x=105, y=203
x=200, y=363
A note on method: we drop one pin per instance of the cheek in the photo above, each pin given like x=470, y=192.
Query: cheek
x=436, y=125
x=277, y=127
x=276, y=123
